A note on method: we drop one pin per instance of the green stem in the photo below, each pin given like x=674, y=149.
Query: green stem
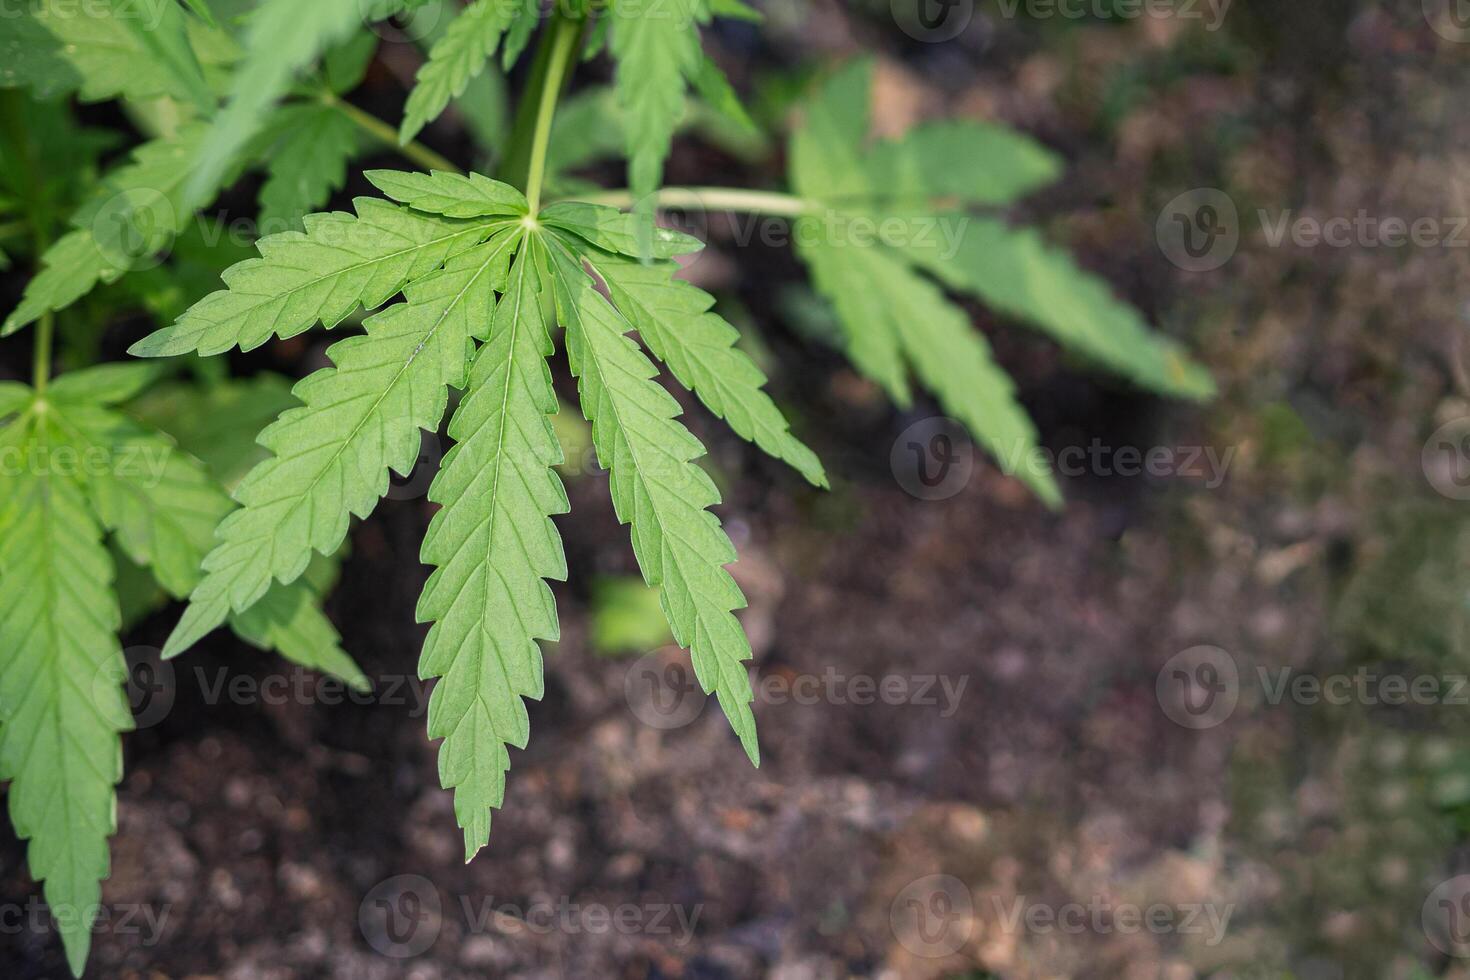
x=41, y=366
x=42, y=369
x=379, y=130
x=568, y=32
x=515, y=163
x=712, y=199
x=13, y=229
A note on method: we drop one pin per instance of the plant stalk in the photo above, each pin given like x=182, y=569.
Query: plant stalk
x=45, y=330
x=41, y=373
x=566, y=35
x=379, y=130
x=712, y=199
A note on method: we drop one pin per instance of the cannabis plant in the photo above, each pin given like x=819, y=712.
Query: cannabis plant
x=113, y=492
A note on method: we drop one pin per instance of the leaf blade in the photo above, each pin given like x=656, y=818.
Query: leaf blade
x=658, y=54
x=676, y=321
x=342, y=262
x=358, y=420
x=62, y=707
x=493, y=545
x=659, y=492
x=1017, y=273
x=462, y=54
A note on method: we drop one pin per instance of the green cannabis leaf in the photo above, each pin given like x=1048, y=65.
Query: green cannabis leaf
x=104, y=49
x=78, y=468
x=675, y=320
x=658, y=53
x=283, y=37
x=307, y=164
x=359, y=419
x=134, y=213
x=657, y=489
x=866, y=233
x=459, y=282
x=494, y=545
x=462, y=53
x=62, y=708
x=451, y=246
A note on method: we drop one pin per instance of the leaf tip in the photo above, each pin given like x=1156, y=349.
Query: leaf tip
x=78, y=945
x=196, y=623
x=752, y=746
